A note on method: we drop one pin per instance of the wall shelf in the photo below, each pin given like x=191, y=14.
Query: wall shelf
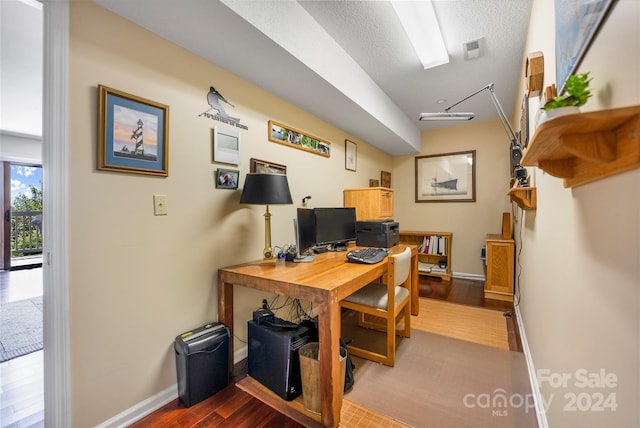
x=585, y=147
x=525, y=197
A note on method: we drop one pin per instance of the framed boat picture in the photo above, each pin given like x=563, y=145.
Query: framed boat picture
x=447, y=177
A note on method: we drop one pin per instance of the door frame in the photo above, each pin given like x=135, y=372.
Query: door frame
x=5, y=205
x=55, y=227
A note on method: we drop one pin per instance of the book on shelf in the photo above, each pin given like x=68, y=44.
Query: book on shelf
x=426, y=267
x=433, y=244
x=431, y=268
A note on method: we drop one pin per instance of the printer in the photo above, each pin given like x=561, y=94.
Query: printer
x=381, y=234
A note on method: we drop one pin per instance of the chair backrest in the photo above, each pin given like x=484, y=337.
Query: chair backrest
x=401, y=266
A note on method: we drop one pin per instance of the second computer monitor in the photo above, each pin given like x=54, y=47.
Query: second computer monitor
x=305, y=230
x=335, y=227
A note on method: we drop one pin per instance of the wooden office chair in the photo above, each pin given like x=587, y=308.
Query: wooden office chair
x=386, y=301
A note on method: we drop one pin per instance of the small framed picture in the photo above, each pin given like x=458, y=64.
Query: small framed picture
x=133, y=134
x=227, y=178
x=262, y=166
x=350, y=155
x=226, y=145
x=385, y=179
x=374, y=182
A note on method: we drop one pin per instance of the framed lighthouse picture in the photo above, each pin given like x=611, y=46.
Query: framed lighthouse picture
x=133, y=134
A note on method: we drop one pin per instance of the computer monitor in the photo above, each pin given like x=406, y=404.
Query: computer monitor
x=304, y=226
x=335, y=227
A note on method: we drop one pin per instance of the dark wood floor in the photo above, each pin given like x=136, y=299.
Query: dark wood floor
x=21, y=388
x=234, y=408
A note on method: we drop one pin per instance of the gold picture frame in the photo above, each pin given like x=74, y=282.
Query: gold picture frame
x=292, y=137
x=133, y=134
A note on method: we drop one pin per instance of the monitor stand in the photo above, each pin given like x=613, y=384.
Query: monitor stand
x=304, y=259
x=339, y=247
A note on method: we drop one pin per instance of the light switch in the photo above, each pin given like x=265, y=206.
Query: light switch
x=160, y=204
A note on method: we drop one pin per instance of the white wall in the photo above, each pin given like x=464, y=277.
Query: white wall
x=16, y=147
x=579, y=276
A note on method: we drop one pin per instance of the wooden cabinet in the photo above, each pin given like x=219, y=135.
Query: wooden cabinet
x=371, y=203
x=500, y=268
x=430, y=259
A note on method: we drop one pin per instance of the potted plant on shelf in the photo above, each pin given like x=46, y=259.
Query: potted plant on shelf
x=576, y=93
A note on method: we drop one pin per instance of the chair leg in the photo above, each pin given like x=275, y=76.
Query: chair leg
x=406, y=331
x=391, y=340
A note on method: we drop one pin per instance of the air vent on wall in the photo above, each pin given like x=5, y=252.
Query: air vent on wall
x=472, y=49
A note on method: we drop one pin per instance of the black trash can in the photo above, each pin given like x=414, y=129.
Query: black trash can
x=202, y=362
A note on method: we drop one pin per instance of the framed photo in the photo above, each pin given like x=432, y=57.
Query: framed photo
x=374, y=182
x=577, y=22
x=226, y=145
x=257, y=165
x=350, y=155
x=385, y=179
x=448, y=177
x=133, y=133
x=292, y=137
x=227, y=178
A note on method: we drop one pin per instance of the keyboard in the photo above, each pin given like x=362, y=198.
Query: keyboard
x=367, y=255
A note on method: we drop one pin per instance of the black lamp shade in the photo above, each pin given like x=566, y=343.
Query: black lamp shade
x=266, y=189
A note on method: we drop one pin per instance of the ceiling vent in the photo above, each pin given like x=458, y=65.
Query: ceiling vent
x=472, y=49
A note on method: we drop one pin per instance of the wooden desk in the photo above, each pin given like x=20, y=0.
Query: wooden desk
x=325, y=281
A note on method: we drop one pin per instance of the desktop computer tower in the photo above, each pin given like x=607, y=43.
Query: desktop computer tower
x=273, y=356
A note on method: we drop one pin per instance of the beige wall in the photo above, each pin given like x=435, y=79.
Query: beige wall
x=468, y=221
x=580, y=279
x=137, y=281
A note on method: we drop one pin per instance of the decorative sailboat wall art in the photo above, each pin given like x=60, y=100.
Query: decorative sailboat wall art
x=448, y=177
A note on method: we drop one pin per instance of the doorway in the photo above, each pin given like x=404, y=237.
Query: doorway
x=22, y=215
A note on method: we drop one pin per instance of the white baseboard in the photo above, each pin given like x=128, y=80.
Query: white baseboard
x=469, y=276
x=541, y=414
x=151, y=404
x=240, y=354
x=141, y=409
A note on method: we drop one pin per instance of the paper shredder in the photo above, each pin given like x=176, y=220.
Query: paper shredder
x=202, y=362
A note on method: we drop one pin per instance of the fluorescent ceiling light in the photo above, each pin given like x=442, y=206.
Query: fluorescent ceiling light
x=445, y=116
x=419, y=21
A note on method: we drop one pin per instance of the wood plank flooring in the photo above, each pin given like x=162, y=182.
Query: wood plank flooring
x=21, y=387
x=21, y=379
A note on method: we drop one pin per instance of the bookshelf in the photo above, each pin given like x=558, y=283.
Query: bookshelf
x=439, y=251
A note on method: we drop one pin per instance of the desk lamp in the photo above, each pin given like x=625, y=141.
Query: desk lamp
x=520, y=173
x=266, y=189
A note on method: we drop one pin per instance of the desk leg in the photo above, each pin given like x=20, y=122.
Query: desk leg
x=415, y=286
x=329, y=336
x=225, y=312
